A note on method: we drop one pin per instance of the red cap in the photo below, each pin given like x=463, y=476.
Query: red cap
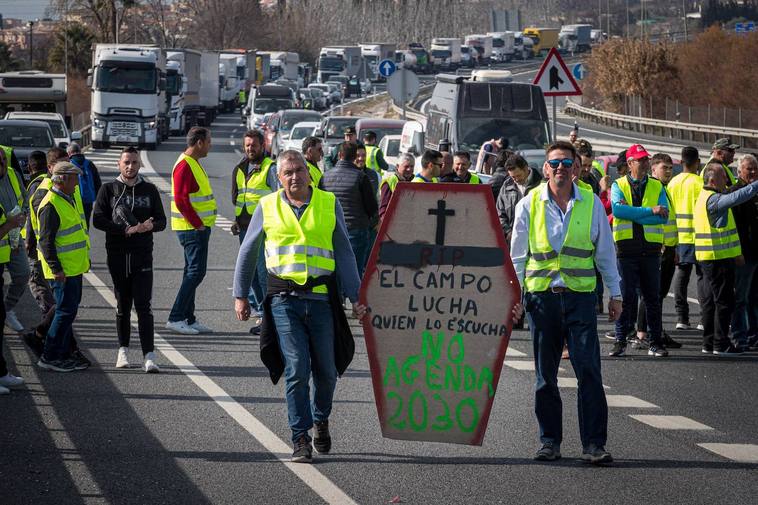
x=636, y=152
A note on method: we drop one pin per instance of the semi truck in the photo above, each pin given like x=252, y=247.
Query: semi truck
x=32, y=91
x=228, y=83
x=373, y=54
x=503, y=46
x=544, y=39
x=523, y=45
x=575, y=38
x=483, y=46
x=209, y=94
x=197, y=103
x=245, y=66
x=283, y=65
x=340, y=60
x=129, y=103
x=446, y=53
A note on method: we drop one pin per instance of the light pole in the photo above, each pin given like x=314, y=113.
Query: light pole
x=31, y=45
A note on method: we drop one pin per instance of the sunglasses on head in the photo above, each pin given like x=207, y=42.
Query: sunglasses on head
x=567, y=162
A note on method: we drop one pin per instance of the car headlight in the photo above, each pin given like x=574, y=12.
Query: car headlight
x=150, y=125
x=98, y=123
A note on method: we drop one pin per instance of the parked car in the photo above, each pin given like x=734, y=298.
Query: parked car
x=279, y=131
x=312, y=99
x=335, y=91
x=325, y=91
x=299, y=132
x=332, y=130
x=63, y=137
x=24, y=137
x=381, y=127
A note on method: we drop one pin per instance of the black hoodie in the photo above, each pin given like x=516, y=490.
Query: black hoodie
x=144, y=201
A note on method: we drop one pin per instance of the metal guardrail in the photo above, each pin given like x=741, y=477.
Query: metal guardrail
x=690, y=132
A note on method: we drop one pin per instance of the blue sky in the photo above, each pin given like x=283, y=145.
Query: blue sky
x=23, y=9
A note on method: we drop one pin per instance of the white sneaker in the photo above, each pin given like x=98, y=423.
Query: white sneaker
x=11, y=381
x=181, y=327
x=12, y=322
x=200, y=327
x=150, y=366
x=683, y=326
x=4, y=390
x=700, y=326
x=122, y=361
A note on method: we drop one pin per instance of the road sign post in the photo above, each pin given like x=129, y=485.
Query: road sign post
x=555, y=80
x=439, y=294
x=403, y=86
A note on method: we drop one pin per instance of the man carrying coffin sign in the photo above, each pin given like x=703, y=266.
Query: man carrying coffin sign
x=441, y=295
x=560, y=234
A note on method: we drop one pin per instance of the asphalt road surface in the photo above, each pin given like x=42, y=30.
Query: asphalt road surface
x=211, y=428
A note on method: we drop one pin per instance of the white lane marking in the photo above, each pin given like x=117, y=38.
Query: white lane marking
x=671, y=422
x=742, y=453
x=571, y=382
x=314, y=479
x=519, y=365
x=155, y=177
x=628, y=401
x=691, y=300
x=514, y=353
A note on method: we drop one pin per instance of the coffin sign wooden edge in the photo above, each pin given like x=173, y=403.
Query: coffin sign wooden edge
x=440, y=288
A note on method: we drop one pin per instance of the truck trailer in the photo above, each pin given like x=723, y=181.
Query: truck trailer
x=373, y=54
x=446, y=53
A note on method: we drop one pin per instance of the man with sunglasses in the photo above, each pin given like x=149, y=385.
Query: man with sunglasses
x=431, y=164
x=640, y=210
x=560, y=234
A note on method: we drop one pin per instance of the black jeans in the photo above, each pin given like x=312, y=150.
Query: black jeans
x=132, y=275
x=681, y=282
x=667, y=274
x=717, y=302
x=643, y=273
x=3, y=365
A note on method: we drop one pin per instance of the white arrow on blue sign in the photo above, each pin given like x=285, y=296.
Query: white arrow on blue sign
x=387, y=68
x=578, y=71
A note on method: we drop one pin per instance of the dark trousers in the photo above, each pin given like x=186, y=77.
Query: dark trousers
x=88, y=212
x=555, y=318
x=195, y=244
x=359, y=242
x=68, y=295
x=641, y=273
x=3, y=365
x=132, y=276
x=681, y=282
x=667, y=274
x=717, y=303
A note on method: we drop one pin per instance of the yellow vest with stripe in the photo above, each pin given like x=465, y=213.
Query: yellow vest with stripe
x=391, y=179
x=371, y=152
x=44, y=188
x=37, y=178
x=575, y=263
x=670, y=238
x=315, y=173
x=71, y=241
x=5, y=243
x=8, y=155
x=597, y=165
x=684, y=189
x=713, y=243
x=202, y=200
x=729, y=174
x=16, y=185
x=251, y=190
x=474, y=179
x=623, y=229
x=418, y=178
x=297, y=249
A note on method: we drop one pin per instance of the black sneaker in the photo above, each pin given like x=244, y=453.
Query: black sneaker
x=303, y=452
x=618, y=350
x=82, y=363
x=57, y=365
x=322, y=441
x=548, y=452
x=729, y=351
x=33, y=342
x=658, y=351
x=596, y=455
x=670, y=342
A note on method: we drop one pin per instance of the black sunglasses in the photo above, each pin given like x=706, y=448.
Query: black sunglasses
x=567, y=162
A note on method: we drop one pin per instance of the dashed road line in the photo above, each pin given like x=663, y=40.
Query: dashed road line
x=741, y=453
x=628, y=401
x=671, y=422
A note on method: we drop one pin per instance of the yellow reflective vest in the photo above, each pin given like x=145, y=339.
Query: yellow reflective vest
x=5, y=244
x=670, y=238
x=202, y=200
x=713, y=243
x=684, y=189
x=42, y=190
x=298, y=249
x=575, y=263
x=598, y=165
x=251, y=189
x=420, y=178
x=474, y=179
x=371, y=152
x=71, y=240
x=729, y=174
x=623, y=229
x=315, y=173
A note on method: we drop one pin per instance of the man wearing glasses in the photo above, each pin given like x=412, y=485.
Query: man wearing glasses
x=431, y=164
x=640, y=210
x=560, y=233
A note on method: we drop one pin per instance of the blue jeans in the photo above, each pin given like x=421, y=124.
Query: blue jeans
x=195, y=244
x=258, y=288
x=743, y=281
x=359, y=242
x=555, y=318
x=640, y=275
x=306, y=339
x=68, y=295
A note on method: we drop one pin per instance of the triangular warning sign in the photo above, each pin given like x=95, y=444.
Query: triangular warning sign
x=554, y=77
